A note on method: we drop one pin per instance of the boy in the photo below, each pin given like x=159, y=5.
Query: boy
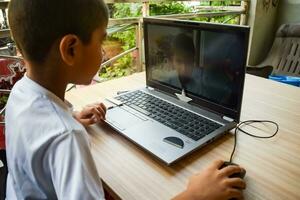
x=187, y=75
x=47, y=149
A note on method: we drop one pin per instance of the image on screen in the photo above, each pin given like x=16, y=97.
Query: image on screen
x=204, y=63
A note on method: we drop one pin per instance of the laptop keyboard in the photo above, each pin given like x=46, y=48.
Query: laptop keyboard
x=181, y=120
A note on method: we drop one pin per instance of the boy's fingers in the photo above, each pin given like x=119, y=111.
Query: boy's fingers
x=103, y=107
x=237, y=183
x=217, y=164
x=100, y=106
x=103, y=112
x=231, y=169
x=91, y=110
x=235, y=193
x=92, y=113
x=96, y=114
x=100, y=113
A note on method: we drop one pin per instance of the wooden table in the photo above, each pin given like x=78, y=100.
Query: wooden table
x=273, y=165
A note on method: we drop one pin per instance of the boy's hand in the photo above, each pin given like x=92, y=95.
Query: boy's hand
x=214, y=184
x=91, y=114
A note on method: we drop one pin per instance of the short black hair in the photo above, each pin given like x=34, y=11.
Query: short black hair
x=36, y=24
x=184, y=44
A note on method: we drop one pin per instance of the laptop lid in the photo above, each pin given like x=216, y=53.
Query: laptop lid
x=205, y=60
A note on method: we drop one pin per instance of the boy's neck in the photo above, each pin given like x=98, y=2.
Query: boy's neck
x=49, y=79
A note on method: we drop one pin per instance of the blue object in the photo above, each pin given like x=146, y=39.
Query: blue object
x=291, y=80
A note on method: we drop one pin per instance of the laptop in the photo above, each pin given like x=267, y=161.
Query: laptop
x=194, y=86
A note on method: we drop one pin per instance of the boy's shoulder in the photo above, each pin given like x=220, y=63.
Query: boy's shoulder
x=32, y=108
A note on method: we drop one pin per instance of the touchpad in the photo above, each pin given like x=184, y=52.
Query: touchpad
x=122, y=119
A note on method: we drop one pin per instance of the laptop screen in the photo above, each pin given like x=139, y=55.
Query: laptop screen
x=206, y=60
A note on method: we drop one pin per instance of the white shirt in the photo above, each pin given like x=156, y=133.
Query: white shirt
x=48, y=151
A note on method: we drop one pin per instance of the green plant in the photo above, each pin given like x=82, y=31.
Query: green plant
x=122, y=67
x=220, y=3
x=126, y=37
x=3, y=100
x=228, y=19
x=121, y=10
x=168, y=8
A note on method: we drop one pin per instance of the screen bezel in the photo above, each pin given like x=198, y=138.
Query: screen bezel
x=198, y=101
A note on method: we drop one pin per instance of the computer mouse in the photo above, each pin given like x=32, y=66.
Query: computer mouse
x=236, y=175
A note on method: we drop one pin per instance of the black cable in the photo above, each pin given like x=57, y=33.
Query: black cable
x=248, y=122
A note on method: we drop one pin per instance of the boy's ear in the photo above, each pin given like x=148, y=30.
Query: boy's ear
x=68, y=48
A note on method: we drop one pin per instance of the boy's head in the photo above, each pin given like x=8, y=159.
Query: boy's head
x=183, y=53
x=42, y=28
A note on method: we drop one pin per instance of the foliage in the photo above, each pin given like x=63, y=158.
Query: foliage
x=3, y=100
x=228, y=19
x=221, y=3
x=168, y=8
x=123, y=66
x=119, y=69
x=127, y=38
x=122, y=10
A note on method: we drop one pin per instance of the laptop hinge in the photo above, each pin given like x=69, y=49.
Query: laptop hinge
x=183, y=97
x=150, y=88
x=228, y=119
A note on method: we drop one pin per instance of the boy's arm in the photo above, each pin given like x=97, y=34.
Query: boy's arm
x=72, y=168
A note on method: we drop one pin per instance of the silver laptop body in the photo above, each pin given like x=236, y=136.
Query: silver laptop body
x=165, y=117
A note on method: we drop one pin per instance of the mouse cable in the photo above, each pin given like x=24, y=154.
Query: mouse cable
x=248, y=122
